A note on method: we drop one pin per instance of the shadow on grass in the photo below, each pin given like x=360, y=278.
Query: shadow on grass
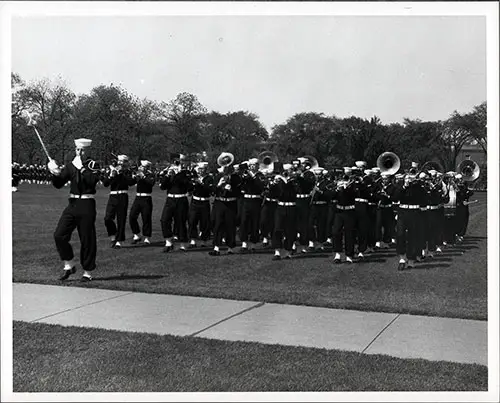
x=427, y=266
x=128, y=277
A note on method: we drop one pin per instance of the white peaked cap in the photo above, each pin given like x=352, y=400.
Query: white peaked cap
x=253, y=161
x=360, y=164
x=122, y=157
x=368, y=171
x=376, y=169
x=301, y=159
x=458, y=176
x=432, y=172
x=202, y=164
x=414, y=164
x=182, y=156
x=347, y=170
x=286, y=167
x=145, y=163
x=83, y=142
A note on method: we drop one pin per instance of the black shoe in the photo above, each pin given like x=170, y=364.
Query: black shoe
x=276, y=257
x=85, y=279
x=167, y=249
x=214, y=253
x=401, y=266
x=67, y=273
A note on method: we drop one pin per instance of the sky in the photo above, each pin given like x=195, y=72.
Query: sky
x=274, y=66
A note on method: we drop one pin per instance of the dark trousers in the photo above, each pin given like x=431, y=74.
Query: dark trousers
x=267, y=215
x=79, y=214
x=302, y=222
x=176, y=210
x=199, y=214
x=362, y=224
x=462, y=220
x=317, y=222
x=116, y=208
x=449, y=229
x=434, y=222
x=285, y=227
x=332, y=208
x=142, y=205
x=407, y=233
x=250, y=220
x=422, y=232
x=225, y=222
x=385, y=224
x=372, y=221
x=344, y=224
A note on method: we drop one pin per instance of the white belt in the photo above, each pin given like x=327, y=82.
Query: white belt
x=385, y=205
x=176, y=196
x=319, y=202
x=346, y=207
x=450, y=206
x=280, y=203
x=434, y=207
x=423, y=208
x=88, y=196
x=226, y=199
x=271, y=200
x=362, y=200
x=410, y=206
x=118, y=192
x=372, y=204
x=143, y=194
x=303, y=196
x=201, y=198
x=252, y=196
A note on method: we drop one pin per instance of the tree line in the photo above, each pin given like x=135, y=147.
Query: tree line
x=119, y=122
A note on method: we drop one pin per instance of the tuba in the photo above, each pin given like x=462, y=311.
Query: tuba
x=310, y=162
x=388, y=162
x=225, y=159
x=266, y=161
x=469, y=169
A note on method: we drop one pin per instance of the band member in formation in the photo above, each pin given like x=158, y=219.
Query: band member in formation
x=285, y=230
x=119, y=180
x=177, y=183
x=80, y=212
x=227, y=191
x=303, y=202
x=252, y=187
x=462, y=216
x=345, y=217
x=199, y=210
x=361, y=208
x=269, y=206
x=385, y=218
x=143, y=203
x=318, y=216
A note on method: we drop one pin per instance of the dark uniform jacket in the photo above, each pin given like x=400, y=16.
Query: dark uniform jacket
x=81, y=182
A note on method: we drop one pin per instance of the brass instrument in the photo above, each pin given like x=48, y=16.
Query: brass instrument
x=310, y=162
x=225, y=159
x=266, y=161
x=469, y=169
x=388, y=162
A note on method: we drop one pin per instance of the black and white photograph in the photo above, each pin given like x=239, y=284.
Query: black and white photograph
x=262, y=201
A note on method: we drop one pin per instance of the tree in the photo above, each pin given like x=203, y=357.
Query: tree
x=184, y=115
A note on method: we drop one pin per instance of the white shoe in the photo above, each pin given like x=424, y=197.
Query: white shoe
x=348, y=259
x=146, y=240
x=360, y=255
x=438, y=250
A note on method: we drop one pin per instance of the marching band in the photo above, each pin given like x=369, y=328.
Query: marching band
x=295, y=207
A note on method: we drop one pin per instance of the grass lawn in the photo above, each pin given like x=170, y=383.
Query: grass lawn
x=453, y=285
x=51, y=358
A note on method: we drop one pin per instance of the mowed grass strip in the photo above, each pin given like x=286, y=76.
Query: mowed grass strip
x=453, y=285
x=53, y=358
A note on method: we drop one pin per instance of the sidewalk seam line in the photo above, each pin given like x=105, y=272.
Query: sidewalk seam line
x=80, y=306
x=228, y=318
x=379, y=333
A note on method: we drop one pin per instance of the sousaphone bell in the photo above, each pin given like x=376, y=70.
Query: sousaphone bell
x=388, y=162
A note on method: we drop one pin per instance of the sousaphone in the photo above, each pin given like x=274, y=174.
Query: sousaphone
x=225, y=159
x=388, y=162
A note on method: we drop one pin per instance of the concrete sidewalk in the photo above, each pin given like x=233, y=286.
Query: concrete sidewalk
x=404, y=336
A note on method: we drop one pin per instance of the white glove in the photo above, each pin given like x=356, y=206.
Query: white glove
x=53, y=167
x=77, y=162
x=227, y=187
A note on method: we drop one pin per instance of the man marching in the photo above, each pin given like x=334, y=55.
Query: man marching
x=199, y=209
x=119, y=180
x=80, y=212
x=143, y=203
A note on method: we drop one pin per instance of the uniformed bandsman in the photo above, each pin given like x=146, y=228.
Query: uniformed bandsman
x=199, y=209
x=143, y=203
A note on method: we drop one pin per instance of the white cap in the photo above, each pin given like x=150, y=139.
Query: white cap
x=302, y=159
x=324, y=171
x=280, y=177
x=145, y=163
x=458, y=176
x=422, y=175
x=122, y=157
x=347, y=170
x=376, y=169
x=83, y=142
x=202, y=164
x=414, y=164
x=432, y=172
x=286, y=167
x=360, y=164
x=385, y=174
x=368, y=171
x=253, y=161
